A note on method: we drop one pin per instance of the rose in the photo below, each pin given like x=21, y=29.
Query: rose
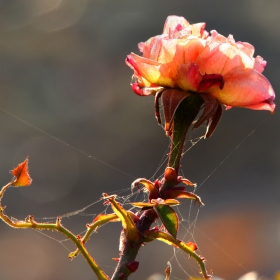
x=186, y=57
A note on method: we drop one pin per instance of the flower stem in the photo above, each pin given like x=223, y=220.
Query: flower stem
x=131, y=248
x=184, y=116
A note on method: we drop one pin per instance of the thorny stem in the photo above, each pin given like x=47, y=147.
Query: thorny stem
x=130, y=248
x=90, y=229
x=184, y=116
x=30, y=223
x=164, y=237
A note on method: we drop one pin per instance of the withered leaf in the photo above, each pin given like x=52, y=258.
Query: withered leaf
x=22, y=178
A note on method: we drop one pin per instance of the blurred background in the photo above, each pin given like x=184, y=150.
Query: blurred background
x=63, y=76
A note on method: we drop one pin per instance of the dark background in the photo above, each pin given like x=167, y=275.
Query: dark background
x=62, y=70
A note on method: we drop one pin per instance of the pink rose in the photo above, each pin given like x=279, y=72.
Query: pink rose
x=186, y=57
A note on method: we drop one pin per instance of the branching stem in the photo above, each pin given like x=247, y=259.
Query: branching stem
x=31, y=223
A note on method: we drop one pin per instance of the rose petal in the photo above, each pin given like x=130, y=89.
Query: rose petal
x=150, y=70
x=172, y=22
x=245, y=88
x=247, y=48
x=192, y=49
x=259, y=64
x=151, y=48
x=210, y=80
x=186, y=57
x=189, y=77
x=220, y=58
x=198, y=29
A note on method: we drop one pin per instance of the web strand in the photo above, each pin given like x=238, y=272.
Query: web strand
x=231, y=153
x=68, y=145
x=187, y=228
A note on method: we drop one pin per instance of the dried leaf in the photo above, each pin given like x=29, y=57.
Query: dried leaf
x=22, y=178
x=168, y=271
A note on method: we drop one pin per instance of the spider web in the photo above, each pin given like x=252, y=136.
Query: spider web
x=188, y=219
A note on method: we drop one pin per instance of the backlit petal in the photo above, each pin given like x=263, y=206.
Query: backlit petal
x=189, y=77
x=151, y=70
x=246, y=88
x=221, y=58
x=173, y=22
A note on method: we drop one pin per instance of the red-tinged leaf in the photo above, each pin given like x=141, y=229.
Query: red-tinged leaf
x=142, y=204
x=105, y=218
x=171, y=202
x=184, y=194
x=187, y=182
x=22, y=178
x=160, y=235
x=168, y=239
x=168, y=271
x=148, y=187
x=168, y=217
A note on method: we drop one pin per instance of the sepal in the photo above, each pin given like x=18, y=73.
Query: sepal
x=184, y=194
x=149, y=187
x=171, y=99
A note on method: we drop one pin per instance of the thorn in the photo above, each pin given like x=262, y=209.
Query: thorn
x=58, y=221
x=32, y=222
x=133, y=266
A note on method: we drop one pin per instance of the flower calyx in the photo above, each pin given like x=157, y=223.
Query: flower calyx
x=163, y=195
x=165, y=189
x=172, y=98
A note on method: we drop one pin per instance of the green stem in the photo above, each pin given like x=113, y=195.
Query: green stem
x=30, y=223
x=164, y=237
x=183, y=119
x=184, y=116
